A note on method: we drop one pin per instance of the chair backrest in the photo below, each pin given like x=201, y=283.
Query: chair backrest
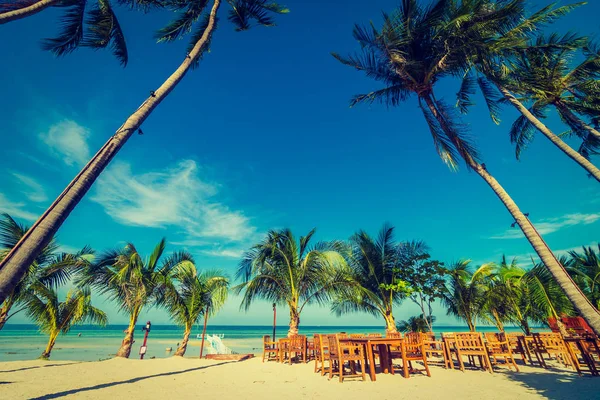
x=332, y=340
x=551, y=341
x=317, y=345
x=342, y=335
x=412, y=338
x=393, y=335
x=577, y=324
x=357, y=335
x=469, y=341
x=374, y=335
x=298, y=342
x=266, y=339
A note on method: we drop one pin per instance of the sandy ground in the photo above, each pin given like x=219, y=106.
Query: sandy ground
x=177, y=378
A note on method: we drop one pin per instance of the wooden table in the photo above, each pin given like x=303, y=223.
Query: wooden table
x=582, y=345
x=382, y=346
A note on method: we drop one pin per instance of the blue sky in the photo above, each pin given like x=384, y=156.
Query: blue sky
x=260, y=137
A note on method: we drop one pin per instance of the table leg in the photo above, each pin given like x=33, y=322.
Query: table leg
x=383, y=358
x=371, y=362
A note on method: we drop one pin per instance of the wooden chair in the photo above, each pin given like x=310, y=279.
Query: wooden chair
x=297, y=346
x=499, y=347
x=435, y=348
x=356, y=336
x=450, y=347
x=321, y=353
x=554, y=345
x=346, y=352
x=374, y=335
x=270, y=349
x=516, y=341
x=393, y=335
x=471, y=345
x=412, y=349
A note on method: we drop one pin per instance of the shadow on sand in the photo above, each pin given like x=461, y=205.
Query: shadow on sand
x=116, y=383
x=39, y=366
x=553, y=386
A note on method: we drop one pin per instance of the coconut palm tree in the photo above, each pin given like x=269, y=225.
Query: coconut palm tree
x=416, y=324
x=465, y=292
x=585, y=269
x=543, y=75
x=94, y=26
x=53, y=316
x=489, y=57
x=133, y=282
x=192, y=295
x=242, y=14
x=416, y=47
x=283, y=271
x=375, y=275
x=51, y=268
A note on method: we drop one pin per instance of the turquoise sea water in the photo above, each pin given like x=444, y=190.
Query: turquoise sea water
x=24, y=342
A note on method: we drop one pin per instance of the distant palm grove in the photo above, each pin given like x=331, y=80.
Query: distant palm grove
x=501, y=48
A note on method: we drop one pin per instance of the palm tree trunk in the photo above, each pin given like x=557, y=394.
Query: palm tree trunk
x=6, y=306
x=498, y=321
x=558, y=142
x=294, y=323
x=390, y=323
x=15, y=264
x=27, y=11
x=186, y=337
x=525, y=327
x=575, y=120
x=573, y=292
x=125, y=349
x=46, y=354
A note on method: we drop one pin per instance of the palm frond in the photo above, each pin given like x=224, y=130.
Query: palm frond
x=243, y=12
x=71, y=33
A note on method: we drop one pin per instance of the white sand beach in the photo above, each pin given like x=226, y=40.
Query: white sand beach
x=177, y=378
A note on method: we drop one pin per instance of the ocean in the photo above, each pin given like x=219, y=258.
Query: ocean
x=25, y=342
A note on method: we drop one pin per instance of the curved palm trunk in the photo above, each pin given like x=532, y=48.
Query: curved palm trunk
x=27, y=11
x=15, y=264
x=46, y=353
x=560, y=274
x=125, y=349
x=6, y=306
x=186, y=337
x=525, y=327
x=294, y=323
x=558, y=142
x=498, y=321
x=575, y=120
x=390, y=323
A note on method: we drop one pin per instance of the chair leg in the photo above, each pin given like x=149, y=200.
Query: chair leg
x=426, y=366
x=341, y=371
x=489, y=363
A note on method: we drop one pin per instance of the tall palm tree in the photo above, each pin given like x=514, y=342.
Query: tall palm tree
x=465, y=295
x=375, y=275
x=53, y=316
x=133, y=282
x=585, y=269
x=98, y=29
x=283, y=271
x=416, y=47
x=50, y=268
x=242, y=13
x=543, y=74
x=192, y=295
x=509, y=295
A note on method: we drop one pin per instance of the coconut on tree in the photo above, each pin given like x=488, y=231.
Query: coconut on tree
x=282, y=270
x=54, y=317
x=192, y=295
x=193, y=15
x=419, y=45
x=375, y=269
x=51, y=268
x=133, y=282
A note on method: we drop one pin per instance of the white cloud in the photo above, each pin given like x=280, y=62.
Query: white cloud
x=32, y=189
x=15, y=209
x=551, y=225
x=173, y=197
x=67, y=140
x=229, y=253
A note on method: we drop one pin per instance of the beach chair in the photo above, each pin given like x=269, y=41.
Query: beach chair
x=450, y=347
x=393, y=335
x=499, y=347
x=471, y=345
x=321, y=353
x=270, y=349
x=516, y=341
x=344, y=352
x=412, y=349
x=357, y=335
x=554, y=345
x=297, y=346
x=374, y=335
x=435, y=348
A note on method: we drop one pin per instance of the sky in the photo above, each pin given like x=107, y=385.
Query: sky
x=259, y=137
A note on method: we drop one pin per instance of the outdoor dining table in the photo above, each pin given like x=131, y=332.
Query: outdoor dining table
x=382, y=347
x=583, y=344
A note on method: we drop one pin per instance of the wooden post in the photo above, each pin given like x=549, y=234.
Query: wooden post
x=204, y=331
x=274, y=321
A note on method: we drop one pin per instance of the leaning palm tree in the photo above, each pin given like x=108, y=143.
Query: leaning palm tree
x=242, y=14
x=488, y=59
x=192, y=295
x=283, y=271
x=51, y=267
x=54, y=317
x=133, y=282
x=585, y=269
x=416, y=47
x=375, y=269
